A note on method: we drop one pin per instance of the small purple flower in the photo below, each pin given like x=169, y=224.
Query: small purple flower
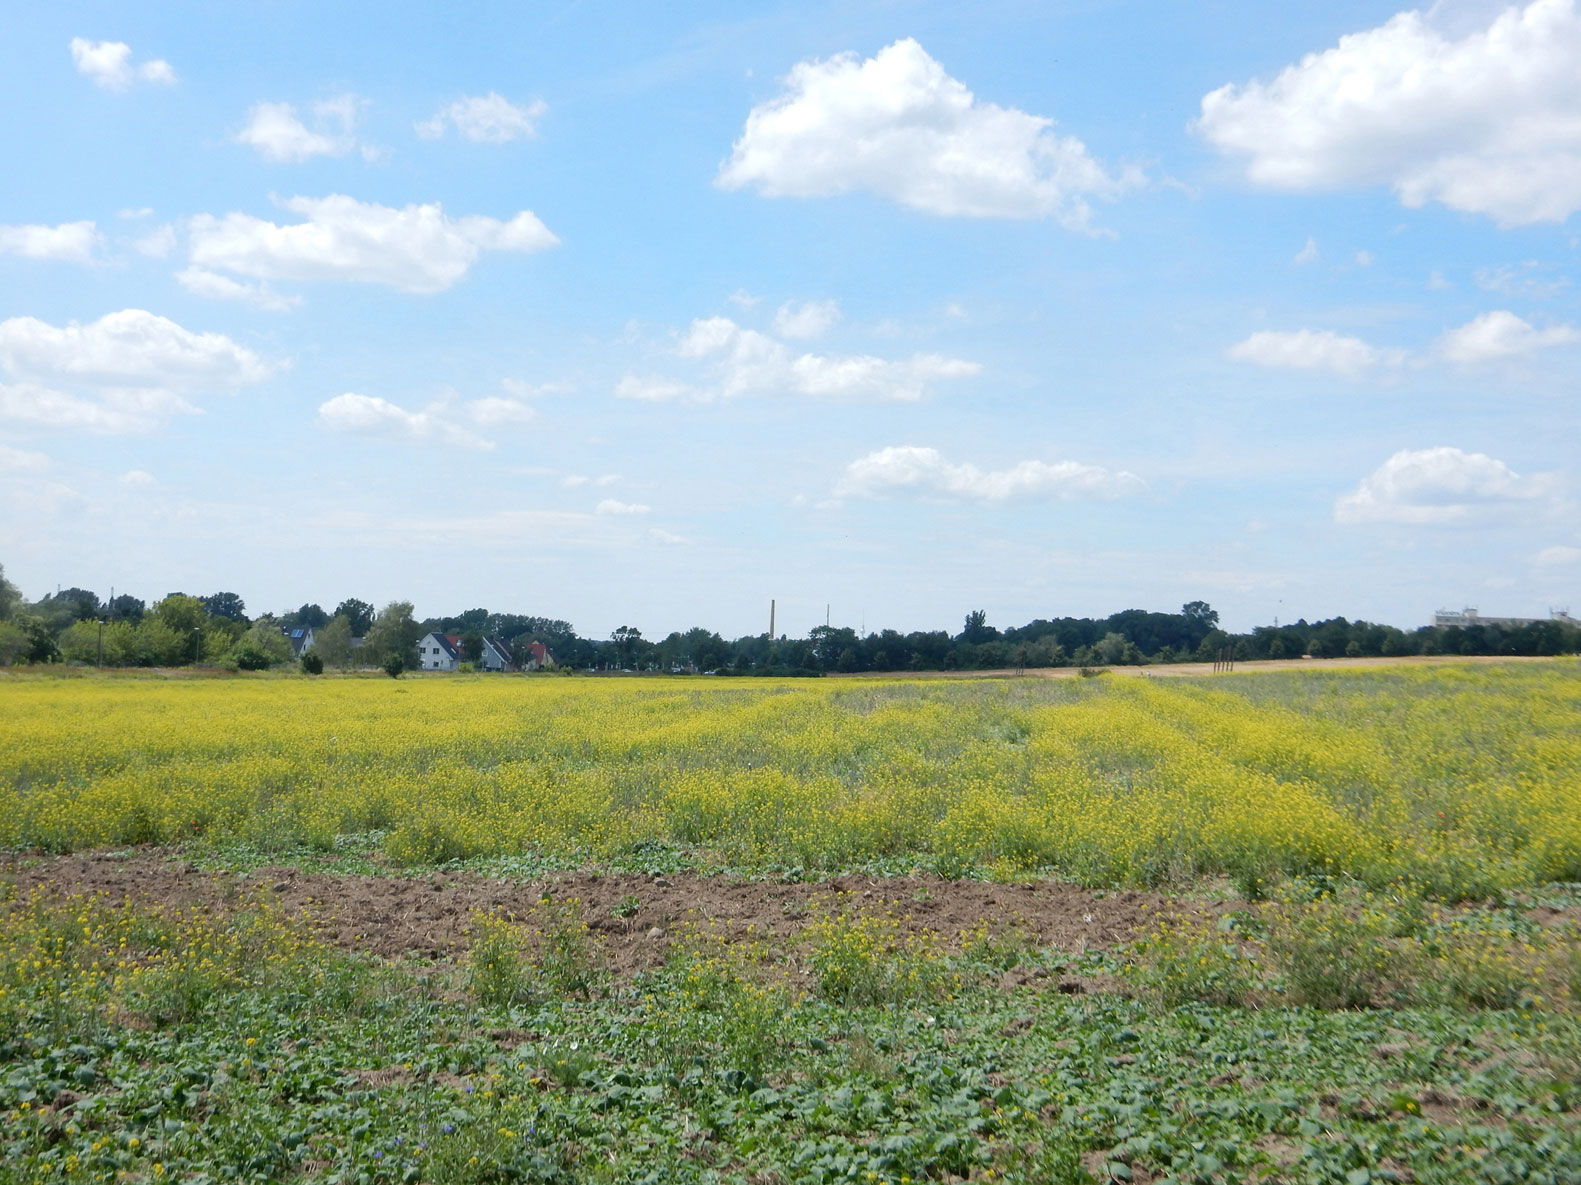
x=448, y=1128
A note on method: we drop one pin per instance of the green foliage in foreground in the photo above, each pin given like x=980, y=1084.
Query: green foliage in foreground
x=312, y=1064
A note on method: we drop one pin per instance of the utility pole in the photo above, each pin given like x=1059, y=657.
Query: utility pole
x=826, y=616
x=197, y=636
x=771, y=619
x=101, y=642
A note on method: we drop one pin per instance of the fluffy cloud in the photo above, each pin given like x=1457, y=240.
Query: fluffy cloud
x=132, y=350
x=485, y=119
x=109, y=64
x=1501, y=334
x=1489, y=123
x=896, y=124
x=807, y=321
x=611, y=506
x=1442, y=486
x=73, y=242
x=912, y=469
x=415, y=248
x=202, y=282
x=1310, y=349
x=368, y=415
x=276, y=133
x=741, y=361
x=122, y=373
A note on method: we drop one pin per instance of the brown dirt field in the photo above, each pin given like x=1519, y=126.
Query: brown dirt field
x=428, y=916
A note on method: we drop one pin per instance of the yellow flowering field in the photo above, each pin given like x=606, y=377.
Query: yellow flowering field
x=1462, y=779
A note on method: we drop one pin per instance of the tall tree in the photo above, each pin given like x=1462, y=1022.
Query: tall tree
x=358, y=613
x=10, y=597
x=394, y=634
x=333, y=643
x=225, y=604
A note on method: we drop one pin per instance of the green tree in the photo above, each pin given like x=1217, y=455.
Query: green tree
x=359, y=613
x=262, y=646
x=14, y=644
x=472, y=646
x=225, y=604
x=394, y=634
x=182, y=614
x=626, y=638
x=10, y=597
x=333, y=643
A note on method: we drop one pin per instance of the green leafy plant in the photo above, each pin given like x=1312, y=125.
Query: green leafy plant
x=1190, y=959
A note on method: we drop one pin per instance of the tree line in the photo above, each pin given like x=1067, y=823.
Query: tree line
x=75, y=626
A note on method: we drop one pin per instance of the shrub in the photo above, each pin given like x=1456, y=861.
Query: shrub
x=1339, y=951
x=393, y=666
x=497, y=970
x=1180, y=960
x=251, y=658
x=552, y=954
x=723, y=994
x=1478, y=969
x=312, y=664
x=872, y=960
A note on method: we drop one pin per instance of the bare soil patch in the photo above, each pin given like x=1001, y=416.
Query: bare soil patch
x=394, y=916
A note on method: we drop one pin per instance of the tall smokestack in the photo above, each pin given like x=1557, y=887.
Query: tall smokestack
x=771, y=619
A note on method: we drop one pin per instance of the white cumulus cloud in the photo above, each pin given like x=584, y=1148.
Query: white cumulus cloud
x=72, y=242
x=1501, y=334
x=1488, y=123
x=276, y=133
x=1310, y=349
x=1443, y=486
x=737, y=362
x=109, y=64
x=124, y=372
x=917, y=470
x=416, y=248
x=808, y=320
x=485, y=119
x=613, y=506
x=369, y=415
x=897, y=125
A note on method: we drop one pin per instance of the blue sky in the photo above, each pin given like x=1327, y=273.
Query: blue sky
x=645, y=314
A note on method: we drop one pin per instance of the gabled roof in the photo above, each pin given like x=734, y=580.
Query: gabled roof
x=449, y=643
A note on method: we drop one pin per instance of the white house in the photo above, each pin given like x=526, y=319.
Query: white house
x=443, y=652
x=300, y=637
x=439, y=652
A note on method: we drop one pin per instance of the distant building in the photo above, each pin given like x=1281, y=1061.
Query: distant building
x=444, y=652
x=300, y=637
x=1469, y=617
x=538, y=657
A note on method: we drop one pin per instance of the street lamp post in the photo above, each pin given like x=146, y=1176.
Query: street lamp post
x=101, y=641
x=197, y=634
